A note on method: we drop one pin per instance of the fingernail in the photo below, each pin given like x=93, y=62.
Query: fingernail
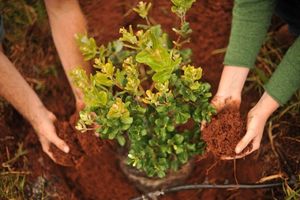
x=237, y=150
x=66, y=149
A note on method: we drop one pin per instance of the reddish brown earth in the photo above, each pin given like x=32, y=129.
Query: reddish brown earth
x=66, y=132
x=97, y=176
x=224, y=132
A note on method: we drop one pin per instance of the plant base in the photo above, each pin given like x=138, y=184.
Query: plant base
x=146, y=184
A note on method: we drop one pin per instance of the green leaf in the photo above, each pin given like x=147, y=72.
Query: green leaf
x=102, y=98
x=178, y=149
x=102, y=79
x=116, y=46
x=162, y=76
x=118, y=109
x=174, y=165
x=170, y=128
x=181, y=118
x=161, y=174
x=121, y=140
x=95, y=98
x=142, y=9
x=125, y=127
x=181, y=6
x=186, y=55
x=183, y=157
x=178, y=138
x=128, y=36
x=126, y=120
x=113, y=134
x=120, y=77
x=80, y=79
x=157, y=57
x=87, y=46
x=191, y=73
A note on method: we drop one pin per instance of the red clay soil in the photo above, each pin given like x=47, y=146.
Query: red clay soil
x=65, y=131
x=224, y=132
x=97, y=176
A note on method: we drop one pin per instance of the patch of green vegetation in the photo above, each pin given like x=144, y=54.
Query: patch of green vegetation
x=292, y=193
x=143, y=90
x=12, y=180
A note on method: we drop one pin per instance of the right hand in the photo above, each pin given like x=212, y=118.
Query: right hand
x=46, y=132
x=79, y=99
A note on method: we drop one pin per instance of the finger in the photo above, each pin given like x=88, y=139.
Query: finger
x=46, y=148
x=237, y=156
x=59, y=143
x=52, y=116
x=245, y=141
x=256, y=142
x=50, y=155
x=231, y=158
x=218, y=103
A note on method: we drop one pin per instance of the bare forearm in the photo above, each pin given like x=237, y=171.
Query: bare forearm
x=16, y=90
x=266, y=105
x=232, y=80
x=66, y=20
x=230, y=87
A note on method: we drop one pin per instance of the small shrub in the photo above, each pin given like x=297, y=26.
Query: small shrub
x=143, y=90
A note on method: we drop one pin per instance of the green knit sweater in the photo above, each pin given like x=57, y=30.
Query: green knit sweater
x=251, y=19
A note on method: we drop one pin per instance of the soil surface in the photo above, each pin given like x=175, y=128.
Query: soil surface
x=94, y=174
x=224, y=132
x=67, y=133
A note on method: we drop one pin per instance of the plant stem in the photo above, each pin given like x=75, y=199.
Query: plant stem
x=148, y=22
x=130, y=46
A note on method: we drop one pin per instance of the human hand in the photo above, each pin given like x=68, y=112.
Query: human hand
x=256, y=120
x=45, y=129
x=78, y=99
x=230, y=87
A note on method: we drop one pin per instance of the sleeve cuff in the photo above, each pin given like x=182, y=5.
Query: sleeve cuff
x=286, y=79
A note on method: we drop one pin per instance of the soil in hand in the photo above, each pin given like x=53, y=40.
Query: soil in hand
x=224, y=132
x=74, y=157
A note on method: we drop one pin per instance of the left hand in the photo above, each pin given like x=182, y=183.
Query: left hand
x=256, y=120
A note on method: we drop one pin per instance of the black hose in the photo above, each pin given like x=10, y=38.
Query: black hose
x=207, y=186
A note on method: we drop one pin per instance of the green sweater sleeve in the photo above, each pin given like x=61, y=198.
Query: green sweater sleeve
x=250, y=22
x=286, y=79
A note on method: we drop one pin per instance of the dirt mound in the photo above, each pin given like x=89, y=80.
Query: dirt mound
x=224, y=132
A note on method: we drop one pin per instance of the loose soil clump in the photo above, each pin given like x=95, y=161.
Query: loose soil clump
x=74, y=157
x=224, y=132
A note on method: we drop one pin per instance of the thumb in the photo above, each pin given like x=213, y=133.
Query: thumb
x=52, y=116
x=245, y=141
x=218, y=103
